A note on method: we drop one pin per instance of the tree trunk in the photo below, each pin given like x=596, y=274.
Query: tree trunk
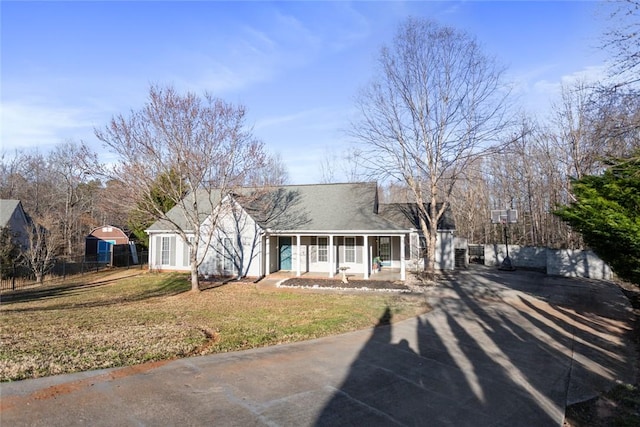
x=195, y=281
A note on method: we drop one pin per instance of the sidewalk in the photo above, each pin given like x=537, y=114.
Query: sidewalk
x=499, y=348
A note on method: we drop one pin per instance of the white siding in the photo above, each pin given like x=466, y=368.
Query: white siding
x=242, y=253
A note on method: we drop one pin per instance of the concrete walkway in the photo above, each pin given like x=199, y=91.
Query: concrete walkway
x=499, y=348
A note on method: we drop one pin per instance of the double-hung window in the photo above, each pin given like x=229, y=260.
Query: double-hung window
x=165, y=251
x=349, y=249
x=322, y=249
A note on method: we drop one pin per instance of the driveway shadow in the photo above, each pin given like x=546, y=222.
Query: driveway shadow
x=489, y=354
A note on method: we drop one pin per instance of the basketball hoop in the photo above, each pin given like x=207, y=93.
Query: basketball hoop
x=505, y=217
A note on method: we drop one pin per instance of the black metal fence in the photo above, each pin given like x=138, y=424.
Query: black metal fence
x=18, y=276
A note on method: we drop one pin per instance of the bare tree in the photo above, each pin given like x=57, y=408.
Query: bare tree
x=337, y=166
x=623, y=39
x=328, y=165
x=204, y=140
x=436, y=104
x=470, y=204
x=45, y=240
x=70, y=164
x=10, y=175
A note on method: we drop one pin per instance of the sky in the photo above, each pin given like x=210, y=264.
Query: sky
x=66, y=68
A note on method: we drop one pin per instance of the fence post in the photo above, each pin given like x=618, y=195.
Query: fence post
x=13, y=277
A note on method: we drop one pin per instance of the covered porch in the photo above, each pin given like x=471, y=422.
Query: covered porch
x=327, y=255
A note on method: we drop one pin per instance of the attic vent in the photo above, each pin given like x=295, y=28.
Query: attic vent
x=107, y=229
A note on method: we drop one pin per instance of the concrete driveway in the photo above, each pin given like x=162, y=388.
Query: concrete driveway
x=499, y=348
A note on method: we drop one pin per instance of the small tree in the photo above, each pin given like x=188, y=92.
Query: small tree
x=45, y=240
x=204, y=141
x=607, y=213
x=436, y=104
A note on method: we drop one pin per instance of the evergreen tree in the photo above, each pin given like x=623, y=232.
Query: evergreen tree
x=607, y=213
x=156, y=199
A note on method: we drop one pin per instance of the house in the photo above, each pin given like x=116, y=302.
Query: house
x=14, y=218
x=408, y=216
x=110, y=245
x=300, y=229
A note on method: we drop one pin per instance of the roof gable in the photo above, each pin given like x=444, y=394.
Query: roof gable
x=7, y=209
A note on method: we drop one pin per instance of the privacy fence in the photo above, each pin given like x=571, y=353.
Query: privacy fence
x=555, y=262
x=18, y=276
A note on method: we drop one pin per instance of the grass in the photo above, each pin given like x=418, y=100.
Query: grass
x=102, y=322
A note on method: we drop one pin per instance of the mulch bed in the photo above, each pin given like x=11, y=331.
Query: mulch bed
x=338, y=284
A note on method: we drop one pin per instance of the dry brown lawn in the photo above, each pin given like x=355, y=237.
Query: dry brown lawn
x=110, y=321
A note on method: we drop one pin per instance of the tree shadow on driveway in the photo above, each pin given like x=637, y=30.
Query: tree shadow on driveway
x=488, y=354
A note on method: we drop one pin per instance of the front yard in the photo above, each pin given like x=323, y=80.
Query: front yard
x=109, y=321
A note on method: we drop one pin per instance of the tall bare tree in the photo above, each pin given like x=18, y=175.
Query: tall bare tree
x=70, y=164
x=204, y=140
x=436, y=103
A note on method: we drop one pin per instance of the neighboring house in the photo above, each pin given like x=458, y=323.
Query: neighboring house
x=300, y=229
x=110, y=245
x=14, y=218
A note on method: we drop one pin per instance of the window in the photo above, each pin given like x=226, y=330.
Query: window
x=384, y=249
x=322, y=249
x=186, y=253
x=165, y=252
x=349, y=249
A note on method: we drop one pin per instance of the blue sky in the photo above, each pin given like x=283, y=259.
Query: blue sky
x=68, y=67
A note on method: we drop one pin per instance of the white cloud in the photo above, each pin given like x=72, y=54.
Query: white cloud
x=589, y=74
x=539, y=87
x=29, y=125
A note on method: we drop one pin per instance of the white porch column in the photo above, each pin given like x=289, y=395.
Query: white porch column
x=331, y=266
x=299, y=255
x=267, y=255
x=403, y=261
x=365, y=256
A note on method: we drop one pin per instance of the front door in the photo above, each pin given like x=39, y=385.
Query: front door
x=285, y=253
x=384, y=250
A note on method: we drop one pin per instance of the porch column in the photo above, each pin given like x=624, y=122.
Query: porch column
x=365, y=256
x=299, y=255
x=267, y=255
x=331, y=266
x=402, y=259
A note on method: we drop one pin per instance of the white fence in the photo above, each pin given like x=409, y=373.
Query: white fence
x=556, y=262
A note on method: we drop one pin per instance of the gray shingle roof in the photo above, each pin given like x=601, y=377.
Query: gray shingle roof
x=408, y=216
x=7, y=207
x=319, y=207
